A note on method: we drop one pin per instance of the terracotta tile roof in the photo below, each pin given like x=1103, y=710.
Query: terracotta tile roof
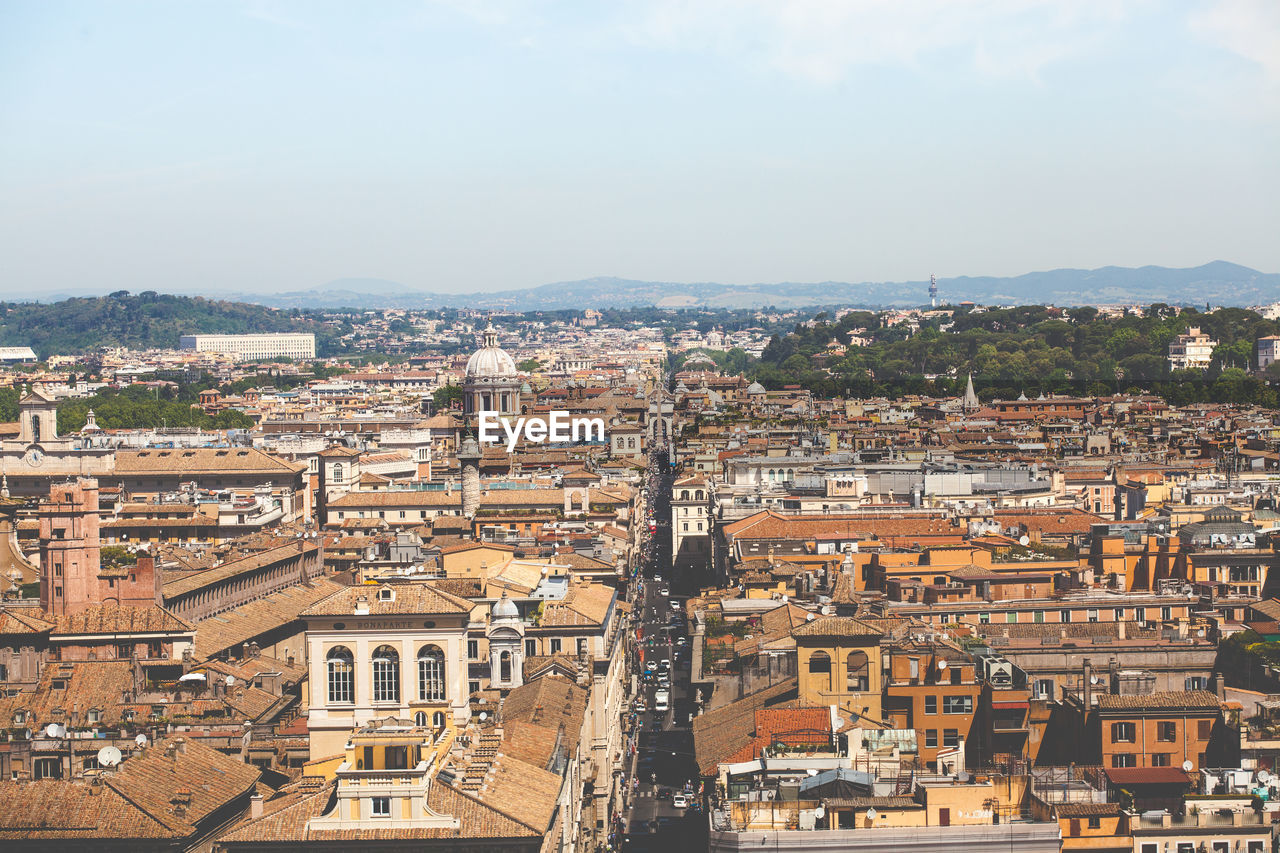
x=250, y=620
x=769, y=524
x=1178, y=699
x=1069, y=810
x=718, y=733
x=792, y=726
x=410, y=598
x=114, y=619
x=187, y=462
x=141, y=800
x=236, y=567
x=585, y=604
x=24, y=620
x=836, y=626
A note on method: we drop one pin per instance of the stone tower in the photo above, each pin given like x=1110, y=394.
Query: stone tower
x=469, y=460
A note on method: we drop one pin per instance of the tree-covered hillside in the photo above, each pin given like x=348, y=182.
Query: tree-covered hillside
x=140, y=321
x=1029, y=349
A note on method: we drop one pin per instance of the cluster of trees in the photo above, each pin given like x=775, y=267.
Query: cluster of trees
x=144, y=321
x=140, y=407
x=1029, y=349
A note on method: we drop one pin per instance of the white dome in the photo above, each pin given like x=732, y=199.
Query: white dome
x=490, y=361
x=505, y=609
x=756, y=388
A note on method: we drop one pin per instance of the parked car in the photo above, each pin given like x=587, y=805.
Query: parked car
x=679, y=801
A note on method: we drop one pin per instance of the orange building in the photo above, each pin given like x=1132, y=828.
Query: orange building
x=933, y=689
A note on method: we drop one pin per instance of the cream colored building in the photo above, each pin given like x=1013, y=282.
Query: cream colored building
x=253, y=347
x=385, y=650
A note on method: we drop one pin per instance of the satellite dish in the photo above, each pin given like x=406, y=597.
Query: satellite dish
x=871, y=814
x=1024, y=540
x=140, y=740
x=231, y=680
x=942, y=664
x=1093, y=679
x=484, y=715
x=819, y=812
x=1187, y=765
x=109, y=756
x=812, y=772
x=54, y=730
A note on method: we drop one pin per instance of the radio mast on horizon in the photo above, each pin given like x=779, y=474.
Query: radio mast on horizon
x=933, y=291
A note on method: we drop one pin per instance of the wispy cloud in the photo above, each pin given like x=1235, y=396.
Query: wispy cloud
x=824, y=41
x=1247, y=28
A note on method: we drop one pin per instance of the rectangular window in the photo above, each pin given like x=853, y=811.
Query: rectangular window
x=1160, y=759
x=1166, y=613
x=381, y=806
x=1011, y=617
x=473, y=649
x=957, y=704
x=1093, y=616
x=1197, y=682
x=1150, y=848
x=582, y=645
x=555, y=647
x=1119, y=614
x=1037, y=616
x=1140, y=614
x=530, y=648
x=1256, y=847
x=1122, y=733
x=1065, y=616
x=1043, y=689
x=984, y=618
x=1122, y=759
x=1186, y=847
x=1204, y=728
x=1166, y=730
x=931, y=738
x=1095, y=823
x=473, y=687
x=931, y=704
x=950, y=737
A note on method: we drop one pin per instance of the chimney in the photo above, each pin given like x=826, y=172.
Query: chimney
x=1088, y=684
x=181, y=744
x=255, y=807
x=1218, y=685
x=1120, y=630
x=1113, y=671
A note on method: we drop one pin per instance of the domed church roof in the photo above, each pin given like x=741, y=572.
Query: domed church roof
x=491, y=361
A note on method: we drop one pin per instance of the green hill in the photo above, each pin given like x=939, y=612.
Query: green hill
x=139, y=321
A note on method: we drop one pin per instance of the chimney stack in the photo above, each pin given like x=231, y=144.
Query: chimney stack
x=255, y=807
x=1088, y=684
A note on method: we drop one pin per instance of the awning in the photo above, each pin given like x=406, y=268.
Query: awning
x=1009, y=706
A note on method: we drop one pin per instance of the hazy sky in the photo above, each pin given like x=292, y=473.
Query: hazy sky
x=475, y=145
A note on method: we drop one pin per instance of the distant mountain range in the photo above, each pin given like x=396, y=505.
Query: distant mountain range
x=1219, y=282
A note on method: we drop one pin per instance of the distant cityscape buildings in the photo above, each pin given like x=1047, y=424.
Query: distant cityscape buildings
x=251, y=347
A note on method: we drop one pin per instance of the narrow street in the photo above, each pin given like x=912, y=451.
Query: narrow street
x=665, y=812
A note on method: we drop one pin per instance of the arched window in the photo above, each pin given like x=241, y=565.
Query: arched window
x=342, y=675
x=337, y=471
x=420, y=719
x=386, y=675
x=684, y=494
x=437, y=719
x=697, y=495
x=820, y=670
x=430, y=674
x=859, y=675
x=504, y=668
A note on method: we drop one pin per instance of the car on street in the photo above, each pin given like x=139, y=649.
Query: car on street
x=664, y=592
x=664, y=793
x=679, y=801
x=640, y=707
